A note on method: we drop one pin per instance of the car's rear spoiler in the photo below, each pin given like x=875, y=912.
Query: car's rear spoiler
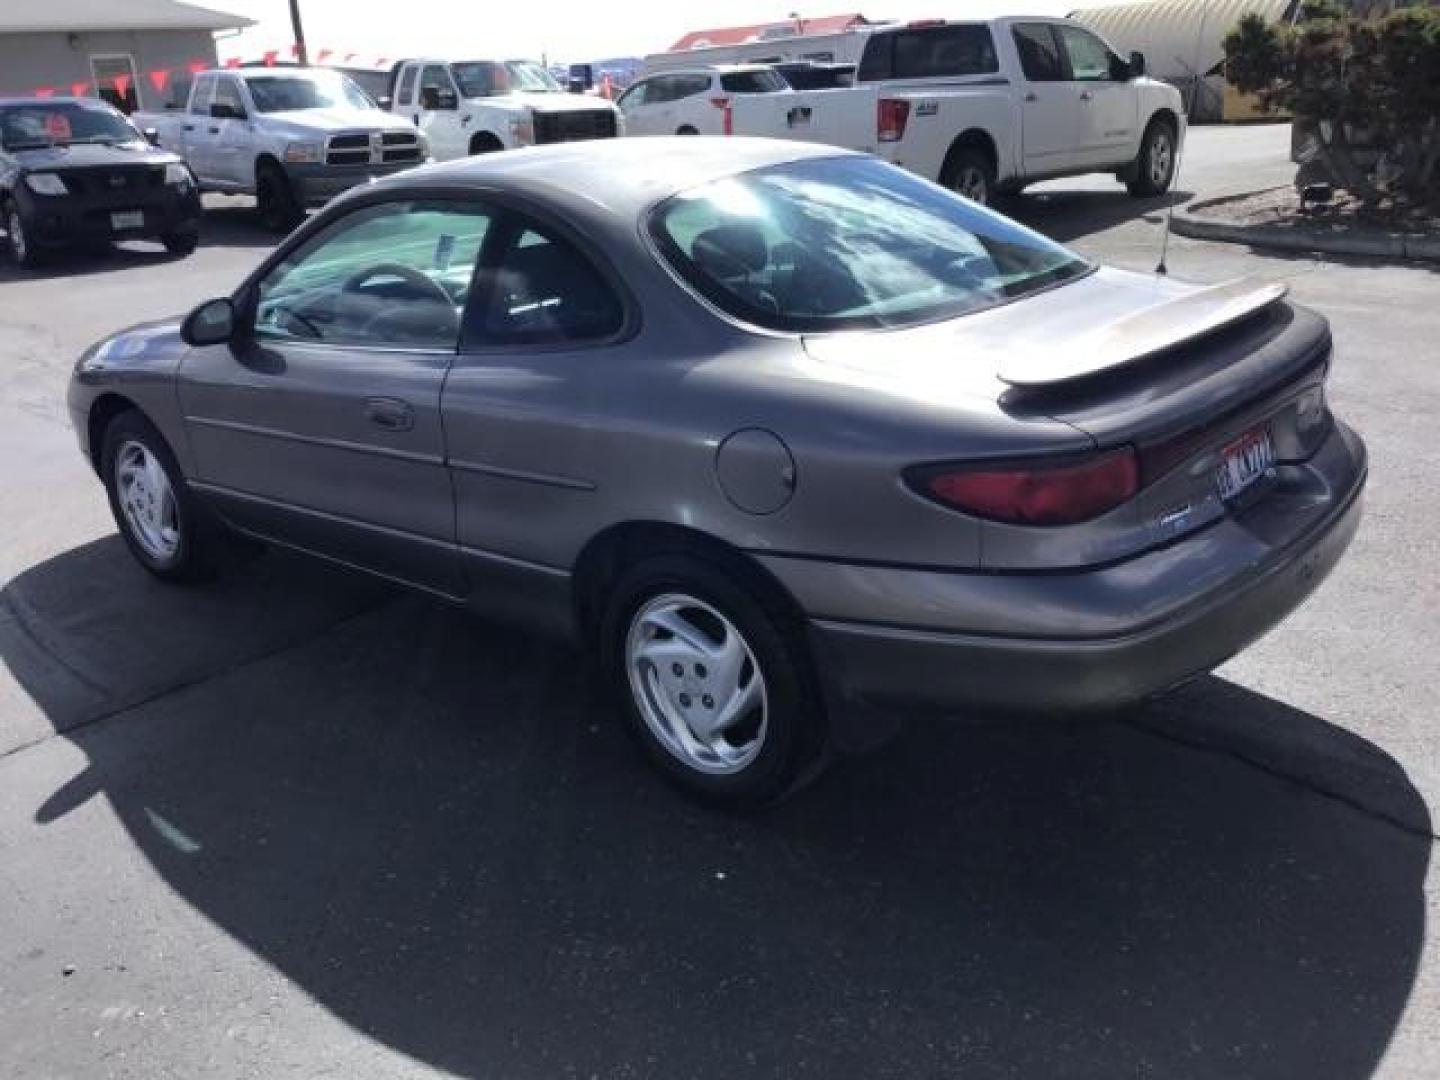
x=1140, y=335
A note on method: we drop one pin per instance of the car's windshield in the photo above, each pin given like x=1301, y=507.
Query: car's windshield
x=312, y=90
x=850, y=242
x=486, y=78
x=61, y=123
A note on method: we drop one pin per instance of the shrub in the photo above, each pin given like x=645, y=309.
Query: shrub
x=1371, y=82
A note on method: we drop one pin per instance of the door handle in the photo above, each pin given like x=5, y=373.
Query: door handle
x=390, y=414
x=1086, y=95
x=188, y=127
x=214, y=131
x=1031, y=96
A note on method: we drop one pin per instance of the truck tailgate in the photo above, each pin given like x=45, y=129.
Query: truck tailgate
x=840, y=117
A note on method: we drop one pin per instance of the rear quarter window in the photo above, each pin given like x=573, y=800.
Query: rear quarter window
x=752, y=82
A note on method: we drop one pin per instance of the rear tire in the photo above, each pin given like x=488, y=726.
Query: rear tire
x=275, y=201
x=716, y=684
x=687, y=130
x=162, y=523
x=969, y=172
x=1155, y=164
x=182, y=243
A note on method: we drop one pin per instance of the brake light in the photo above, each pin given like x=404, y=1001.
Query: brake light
x=891, y=116
x=724, y=103
x=1040, y=494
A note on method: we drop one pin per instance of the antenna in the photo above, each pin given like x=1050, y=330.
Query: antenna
x=1196, y=76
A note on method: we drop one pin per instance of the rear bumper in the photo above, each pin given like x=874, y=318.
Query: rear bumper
x=60, y=221
x=315, y=185
x=1117, y=634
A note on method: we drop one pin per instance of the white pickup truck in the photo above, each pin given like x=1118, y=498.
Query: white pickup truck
x=292, y=137
x=477, y=106
x=987, y=107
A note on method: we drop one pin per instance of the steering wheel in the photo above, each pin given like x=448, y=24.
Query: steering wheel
x=418, y=281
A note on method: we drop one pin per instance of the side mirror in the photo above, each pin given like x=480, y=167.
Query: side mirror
x=223, y=110
x=1137, y=64
x=385, y=101
x=152, y=136
x=212, y=323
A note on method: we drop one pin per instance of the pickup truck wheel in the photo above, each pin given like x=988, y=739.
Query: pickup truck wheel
x=485, y=143
x=17, y=239
x=181, y=243
x=279, y=211
x=1155, y=166
x=969, y=172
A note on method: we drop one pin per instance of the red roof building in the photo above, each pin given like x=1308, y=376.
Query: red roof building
x=739, y=35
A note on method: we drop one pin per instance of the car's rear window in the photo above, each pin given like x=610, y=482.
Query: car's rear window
x=848, y=243
x=753, y=82
x=930, y=52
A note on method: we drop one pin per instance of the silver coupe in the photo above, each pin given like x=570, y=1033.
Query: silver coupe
x=788, y=438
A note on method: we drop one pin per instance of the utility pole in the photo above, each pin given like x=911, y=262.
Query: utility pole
x=302, y=55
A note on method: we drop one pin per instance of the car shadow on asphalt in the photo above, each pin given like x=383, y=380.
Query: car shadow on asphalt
x=430, y=825
x=1067, y=215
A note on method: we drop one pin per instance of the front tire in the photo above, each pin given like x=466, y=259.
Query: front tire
x=715, y=683
x=166, y=530
x=1155, y=164
x=17, y=239
x=275, y=201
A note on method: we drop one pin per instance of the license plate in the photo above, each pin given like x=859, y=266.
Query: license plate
x=1243, y=462
x=127, y=219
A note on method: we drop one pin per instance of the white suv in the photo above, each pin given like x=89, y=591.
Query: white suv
x=694, y=101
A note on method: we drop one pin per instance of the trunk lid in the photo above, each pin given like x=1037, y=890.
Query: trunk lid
x=1177, y=372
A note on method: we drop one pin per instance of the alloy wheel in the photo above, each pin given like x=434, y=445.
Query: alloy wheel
x=147, y=501
x=1162, y=153
x=697, y=684
x=972, y=183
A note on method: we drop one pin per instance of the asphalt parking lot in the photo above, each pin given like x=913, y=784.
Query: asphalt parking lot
x=296, y=824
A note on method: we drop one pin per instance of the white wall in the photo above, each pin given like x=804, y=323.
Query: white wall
x=58, y=59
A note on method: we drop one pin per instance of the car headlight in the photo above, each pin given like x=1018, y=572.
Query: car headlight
x=178, y=175
x=304, y=153
x=46, y=183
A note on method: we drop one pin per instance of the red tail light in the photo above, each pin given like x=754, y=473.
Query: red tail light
x=724, y=103
x=891, y=116
x=1040, y=494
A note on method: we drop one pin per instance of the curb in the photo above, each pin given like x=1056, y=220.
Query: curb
x=1371, y=243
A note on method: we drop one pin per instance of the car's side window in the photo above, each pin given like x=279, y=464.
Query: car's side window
x=1090, y=60
x=688, y=86
x=1039, y=52
x=406, y=93
x=435, y=77
x=544, y=291
x=204, y=92
x=636, y=95
x=391, y=275
x=227, y=92
x=660, y=90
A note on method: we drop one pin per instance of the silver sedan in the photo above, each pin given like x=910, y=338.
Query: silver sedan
x=790, y=439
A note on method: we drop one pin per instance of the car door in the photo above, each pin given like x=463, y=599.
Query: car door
x=1049, y=103
x=322, y=428
x=532, y=364
x=1109, y=110
x=693, y=109
x=650, y=107
x=230, y=152
x=441, y=125
x=405, y=103
x=197, y=143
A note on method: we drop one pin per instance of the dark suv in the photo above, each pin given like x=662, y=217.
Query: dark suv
x=75, y=170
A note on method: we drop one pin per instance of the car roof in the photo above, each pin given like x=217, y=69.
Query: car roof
x=623, y=176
